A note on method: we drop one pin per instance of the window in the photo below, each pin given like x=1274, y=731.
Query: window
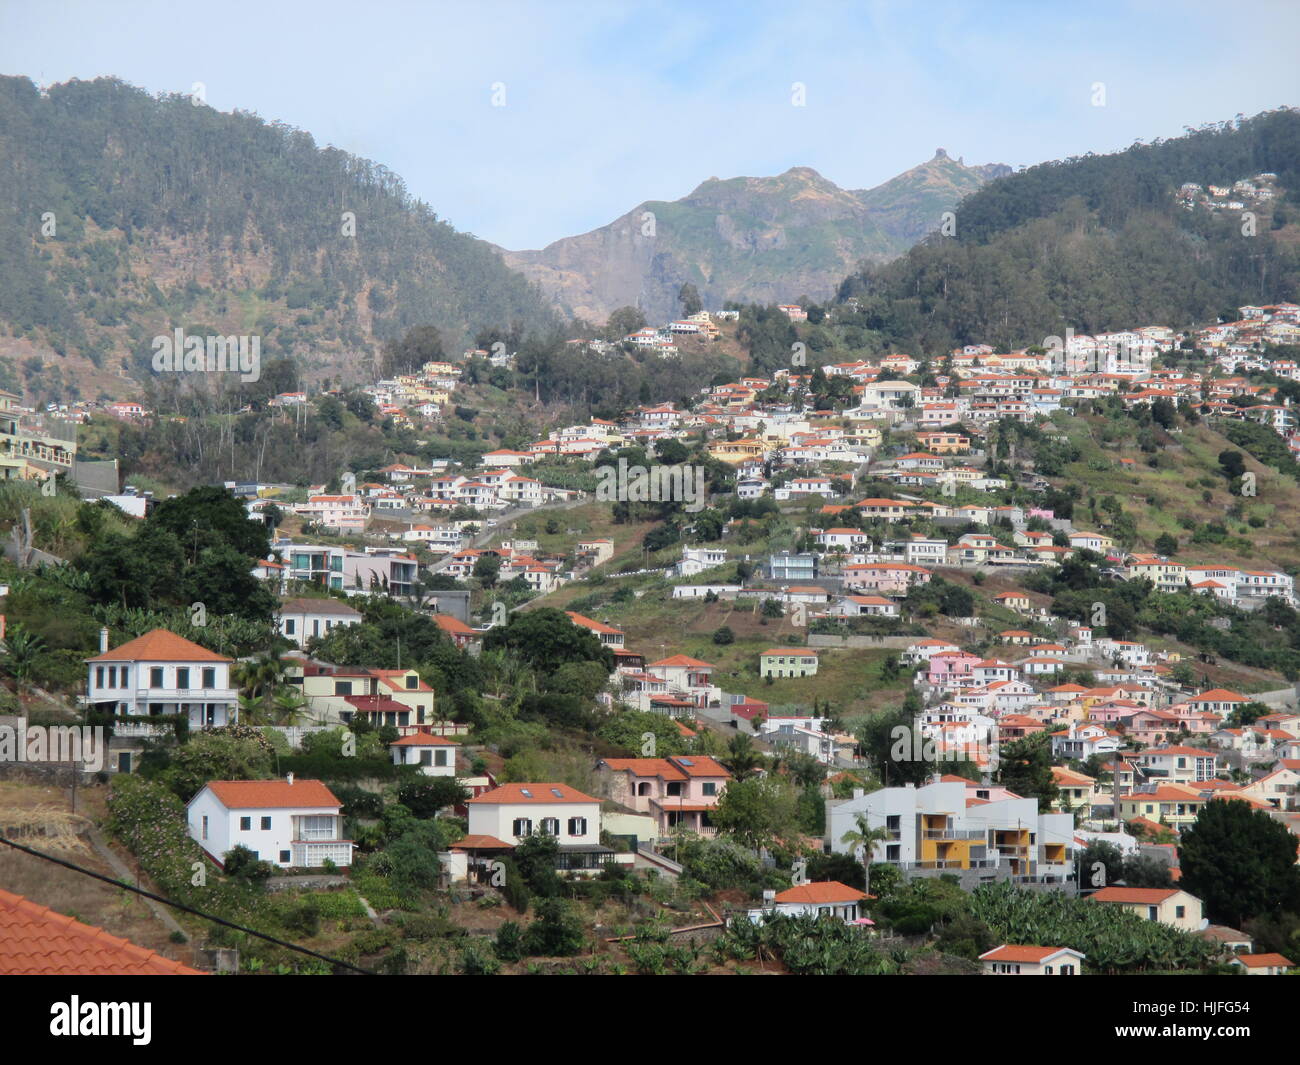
x=710, y=787
x=1180, y=911
x=342, y=687
x=522, y=826
x=426, y=757
x=245, y=824
x=413, y=681
x=550, y=826
x=674, y=787
x=266, y=824
x=284, y=857
x=440, y=757
x=1152, y=913
x=99, y=676
x=156, y=677
x=209, y=678
x=205, y=826
x=577, y=826
x=289, y=625
x=182, y=679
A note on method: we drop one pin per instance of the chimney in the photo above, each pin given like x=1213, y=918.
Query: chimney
x=103, y=641
x=289, y=778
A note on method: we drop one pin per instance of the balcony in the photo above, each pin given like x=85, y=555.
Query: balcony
x=312, y=855
x=952, y=834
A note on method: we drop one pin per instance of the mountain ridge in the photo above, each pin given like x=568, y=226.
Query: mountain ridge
x=746, y=239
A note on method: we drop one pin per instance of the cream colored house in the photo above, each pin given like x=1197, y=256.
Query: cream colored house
x=1169, y=906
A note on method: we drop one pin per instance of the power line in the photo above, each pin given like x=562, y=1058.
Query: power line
x=181, y=906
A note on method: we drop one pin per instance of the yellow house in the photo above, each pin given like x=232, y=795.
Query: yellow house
x=395, y=697
x=1167, y=804
x=1075, y=790
x=737, y=451
x=788, y=662
x=1169, y=906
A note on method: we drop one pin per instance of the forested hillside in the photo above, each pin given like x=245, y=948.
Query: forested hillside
x=1097, y=243
x=124, y=215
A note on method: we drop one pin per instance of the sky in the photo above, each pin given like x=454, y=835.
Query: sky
x=526, y=122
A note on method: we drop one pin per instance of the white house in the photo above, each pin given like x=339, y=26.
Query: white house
x=301, y=619
x=1011, y=960
x=161, y=674
x=436, y=755
x=290, y=823
x=512, y=812
x=828, y=898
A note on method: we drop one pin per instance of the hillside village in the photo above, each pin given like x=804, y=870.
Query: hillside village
x=916, y=542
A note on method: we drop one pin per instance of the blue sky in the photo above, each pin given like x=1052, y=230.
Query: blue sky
x=610, y=104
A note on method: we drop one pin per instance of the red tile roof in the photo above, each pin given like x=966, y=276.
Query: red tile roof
x=36, y=941
x=822, y=891
x=1014, y=953
x=271, y=794
x=537, y=793
x=159, y=646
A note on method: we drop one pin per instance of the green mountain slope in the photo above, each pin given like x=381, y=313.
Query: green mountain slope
x=166, y=214
x=1098, y=243
x=746, y=239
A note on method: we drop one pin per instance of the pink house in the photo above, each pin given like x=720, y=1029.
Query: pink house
x=955, y=667
x=678, y=791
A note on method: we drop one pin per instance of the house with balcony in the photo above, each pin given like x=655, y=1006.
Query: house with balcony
x=1181, y=765
x=688, y=678
x=936, y=828
x=397, y=697
x=294, y=824
x=679, y=791
x=158, y=675
x=511, y=813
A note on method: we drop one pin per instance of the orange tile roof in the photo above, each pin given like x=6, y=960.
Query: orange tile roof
x=681, y=660
x=422, y=739
x=1257, y=960
x=453, y=625
x=271, y=794
x=1143, y=896
x=538, y=793
x=1015, y=953
x=37, y=941
x=159, y=646
x=822, y=891
x=478, y=842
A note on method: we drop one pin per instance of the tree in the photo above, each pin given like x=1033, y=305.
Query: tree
x=1025, y=767
x=420, y=345
x=865, y=837
x=1239, y=862
x=557, y=931
x=758, y=811
x=689, y=297
x=233, y=753
x=1166, y=545
x=622, y=322
x=22, y=649
x=545, y=638
x=723, y=636
x=486, y=569
x=425, y=798
x=743, y=759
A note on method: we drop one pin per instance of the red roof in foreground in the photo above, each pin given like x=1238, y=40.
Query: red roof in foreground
x=271, y=794
x=822, y=891
x=36, y=941
x=525, y=793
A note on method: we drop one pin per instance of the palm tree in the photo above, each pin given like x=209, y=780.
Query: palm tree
x=742, y=758
x=866, y=838
x=289, y=706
